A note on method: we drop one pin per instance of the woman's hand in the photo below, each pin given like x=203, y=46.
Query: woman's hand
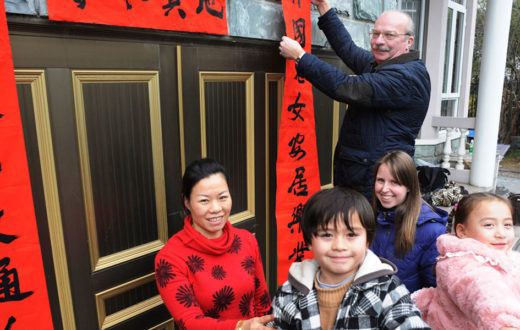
x=323, y=5
x=257, y=322
x=290, y=48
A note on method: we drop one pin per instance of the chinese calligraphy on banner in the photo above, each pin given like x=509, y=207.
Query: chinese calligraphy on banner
x=205, y=16
x=297, y=173
x=24, y=303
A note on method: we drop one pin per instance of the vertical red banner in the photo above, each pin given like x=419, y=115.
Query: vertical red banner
x=297, y=173
x=24, y=303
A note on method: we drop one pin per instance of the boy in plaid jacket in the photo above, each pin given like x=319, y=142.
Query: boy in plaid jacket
x=345, y=286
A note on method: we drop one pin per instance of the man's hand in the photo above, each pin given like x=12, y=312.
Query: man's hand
x=323, y=5
x=290, y=49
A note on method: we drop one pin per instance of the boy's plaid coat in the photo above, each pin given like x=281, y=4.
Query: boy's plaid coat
x=377, y=299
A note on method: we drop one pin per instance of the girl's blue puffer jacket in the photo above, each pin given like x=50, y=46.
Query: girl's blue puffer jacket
x=416, y=268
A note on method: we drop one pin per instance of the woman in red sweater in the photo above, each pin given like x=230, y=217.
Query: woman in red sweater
x=210, y=274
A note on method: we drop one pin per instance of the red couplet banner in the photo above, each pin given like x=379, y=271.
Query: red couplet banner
x=24, y=303
x=205, y=16
x=297, y=173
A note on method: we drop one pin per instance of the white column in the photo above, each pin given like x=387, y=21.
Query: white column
x=494, y=52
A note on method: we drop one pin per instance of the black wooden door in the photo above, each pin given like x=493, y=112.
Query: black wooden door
x=111, y=119
x=101, y=164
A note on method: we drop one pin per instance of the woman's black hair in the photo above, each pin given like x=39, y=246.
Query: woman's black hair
x=196, y=171
x=336, y=204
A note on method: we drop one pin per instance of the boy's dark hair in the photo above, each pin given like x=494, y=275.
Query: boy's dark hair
x=196, y=171
x=336, y=204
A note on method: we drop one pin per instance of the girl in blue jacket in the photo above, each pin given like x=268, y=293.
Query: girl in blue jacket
x=407, y=227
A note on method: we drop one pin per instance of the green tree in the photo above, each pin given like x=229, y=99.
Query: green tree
x=510, y=110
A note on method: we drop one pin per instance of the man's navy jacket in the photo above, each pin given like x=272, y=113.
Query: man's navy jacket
x=387, y=103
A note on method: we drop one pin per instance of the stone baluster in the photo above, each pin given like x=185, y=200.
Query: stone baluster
x=462, y=149
x=446, y=152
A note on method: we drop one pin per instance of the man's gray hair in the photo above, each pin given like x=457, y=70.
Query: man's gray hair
x=410, y=29
x=411, y=25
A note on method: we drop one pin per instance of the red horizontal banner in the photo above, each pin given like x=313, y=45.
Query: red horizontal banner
x=205, y=16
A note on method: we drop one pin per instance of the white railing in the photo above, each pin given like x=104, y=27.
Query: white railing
x=460, y=173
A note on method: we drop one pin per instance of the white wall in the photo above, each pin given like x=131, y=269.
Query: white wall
x=435, y=38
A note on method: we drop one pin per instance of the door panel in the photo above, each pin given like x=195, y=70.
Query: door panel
x=31, y=88
x=227, y=134
x=119, y=133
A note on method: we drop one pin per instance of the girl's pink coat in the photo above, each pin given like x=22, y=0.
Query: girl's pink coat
x=477, y=287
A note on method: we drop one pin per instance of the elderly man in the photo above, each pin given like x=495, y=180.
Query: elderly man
x=388, y=96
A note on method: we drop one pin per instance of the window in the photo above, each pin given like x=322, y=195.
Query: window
x=453, y=57
x=415, y=9
x=448, y=107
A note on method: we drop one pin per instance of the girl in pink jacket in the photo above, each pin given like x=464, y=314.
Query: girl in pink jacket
x=478, y=275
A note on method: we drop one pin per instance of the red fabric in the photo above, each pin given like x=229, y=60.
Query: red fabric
x=24, y=302
x=207, y=16
x=297, y=171
x=212, y=283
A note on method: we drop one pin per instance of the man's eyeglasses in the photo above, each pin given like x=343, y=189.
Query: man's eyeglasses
x=386, y=35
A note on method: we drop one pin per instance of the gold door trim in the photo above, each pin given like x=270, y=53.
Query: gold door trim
x=36, y=79
x=80, y=77
x=181, y=109
x=166, y=325
x=248, y=78
x=107, y=321
x=278, y=78
x=335, y=136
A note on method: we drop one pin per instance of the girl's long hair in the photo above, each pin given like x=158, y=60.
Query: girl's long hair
x=404, y=172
